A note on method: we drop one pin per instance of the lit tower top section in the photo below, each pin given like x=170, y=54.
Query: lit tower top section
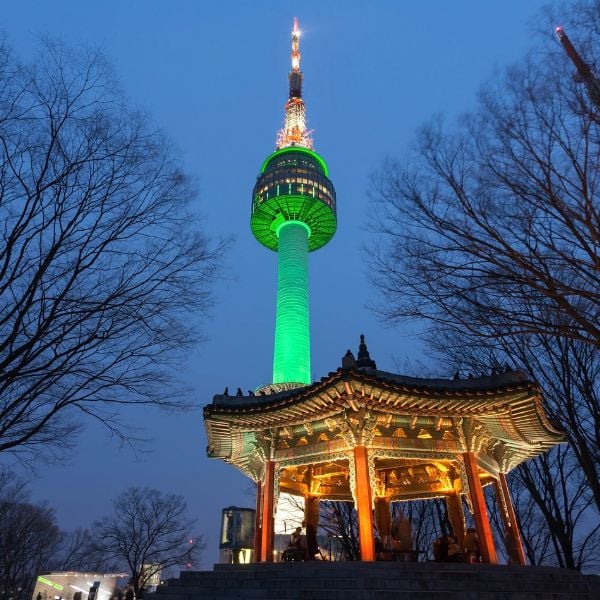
x=293, y=213
x=294, y=132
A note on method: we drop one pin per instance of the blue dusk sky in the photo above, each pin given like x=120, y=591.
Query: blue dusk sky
x=213, y=76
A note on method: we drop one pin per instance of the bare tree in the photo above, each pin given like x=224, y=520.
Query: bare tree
x=428, y=521
x=339, y=520
x=148, y=533
x=31, y=541
x=535, y=534
x=493, y=227
x=491, y=232
x=555, y=495
x=555, y=512
x=556, y=485
x=569, y=373
x=76, y=552
x=104, y=270
x=567, y=370
x=29, y=537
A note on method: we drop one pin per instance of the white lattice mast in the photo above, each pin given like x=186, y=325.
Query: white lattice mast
x=294, y=132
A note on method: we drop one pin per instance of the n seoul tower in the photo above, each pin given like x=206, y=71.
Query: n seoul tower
x=293, y=213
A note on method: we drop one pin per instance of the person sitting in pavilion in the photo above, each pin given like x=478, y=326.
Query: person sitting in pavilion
x=471, y=545
x=454, y=554
x=296, y=550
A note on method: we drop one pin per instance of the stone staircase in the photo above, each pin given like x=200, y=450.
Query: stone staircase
x=320, y=580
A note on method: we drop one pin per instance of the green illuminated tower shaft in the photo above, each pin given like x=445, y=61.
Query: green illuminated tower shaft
x=292, y=324
x=293, y=213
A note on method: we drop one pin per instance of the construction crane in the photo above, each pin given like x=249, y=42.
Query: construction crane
x=585, y=71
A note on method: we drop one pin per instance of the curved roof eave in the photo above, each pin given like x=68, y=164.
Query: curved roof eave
x=481, y=397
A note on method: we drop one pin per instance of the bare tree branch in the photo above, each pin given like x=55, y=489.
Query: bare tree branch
x=490, y=232
x=148, y=533
x=495, y=226
x=102, y=263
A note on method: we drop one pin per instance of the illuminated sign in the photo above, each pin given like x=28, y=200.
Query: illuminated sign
x=56, y=586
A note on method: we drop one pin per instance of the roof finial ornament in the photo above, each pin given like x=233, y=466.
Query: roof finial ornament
x=348, y=361
x=364, y=359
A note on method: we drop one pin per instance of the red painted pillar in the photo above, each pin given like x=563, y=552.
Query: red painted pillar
x=311, y=519
x=383, y=518
x=511, y=526
x=482, y=521
x=268, y=501
x=257, y=521
x=456, y=516
x=363, y=500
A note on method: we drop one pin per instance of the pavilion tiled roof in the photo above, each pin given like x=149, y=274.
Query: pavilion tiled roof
x=445, y=397
x=509, y=405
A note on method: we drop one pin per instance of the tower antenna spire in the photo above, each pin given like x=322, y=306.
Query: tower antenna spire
x=295, y=132
x=295, y=47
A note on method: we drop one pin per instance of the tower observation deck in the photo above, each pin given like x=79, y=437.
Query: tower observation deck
x=293, y=213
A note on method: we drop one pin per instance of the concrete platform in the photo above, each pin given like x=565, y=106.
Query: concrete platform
x=379, y=581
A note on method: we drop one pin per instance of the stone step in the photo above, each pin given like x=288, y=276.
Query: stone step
x=379, y=581
x=526, y=576
x=323, y=569
x=350, y=591
x=383, y=594
x=432, y=582
x=391, y=582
